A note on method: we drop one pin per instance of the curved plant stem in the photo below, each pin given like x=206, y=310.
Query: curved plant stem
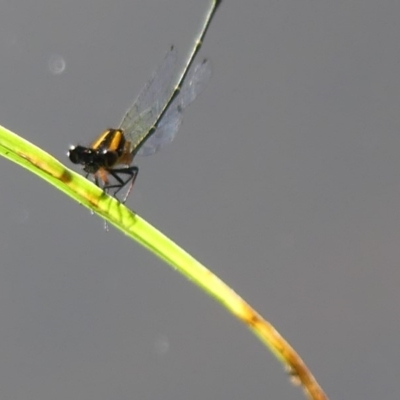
x=86, y=193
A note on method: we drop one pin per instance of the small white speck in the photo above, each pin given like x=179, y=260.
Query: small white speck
x=56, y=64
x=161, y=345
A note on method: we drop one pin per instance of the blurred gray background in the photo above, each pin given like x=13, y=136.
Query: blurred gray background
x=284, y=180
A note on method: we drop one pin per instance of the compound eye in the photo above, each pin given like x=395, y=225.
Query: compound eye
x=75, y=154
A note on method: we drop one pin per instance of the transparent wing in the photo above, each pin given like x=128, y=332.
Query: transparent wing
x=194, y=84
x=147, y=106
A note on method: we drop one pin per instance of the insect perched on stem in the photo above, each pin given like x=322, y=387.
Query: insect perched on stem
x=152, y=121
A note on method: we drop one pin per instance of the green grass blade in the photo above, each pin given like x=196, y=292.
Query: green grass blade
x=86, y=193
